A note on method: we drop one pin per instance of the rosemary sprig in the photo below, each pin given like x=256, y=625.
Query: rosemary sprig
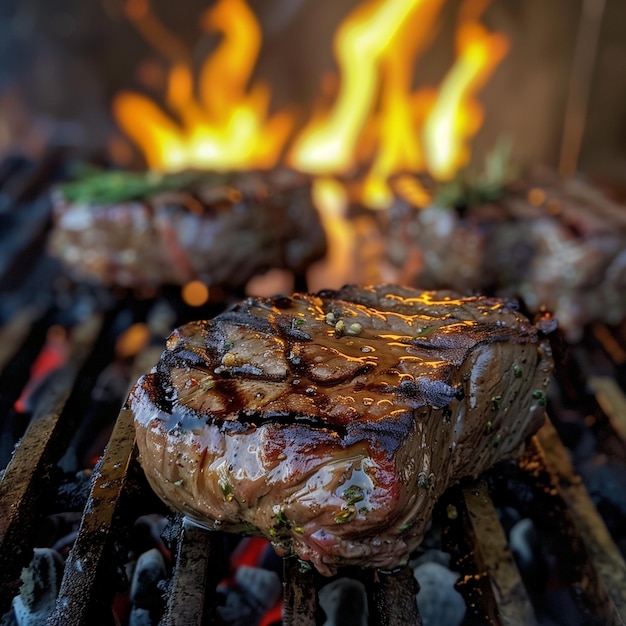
x=466, y=190
x=103, y=187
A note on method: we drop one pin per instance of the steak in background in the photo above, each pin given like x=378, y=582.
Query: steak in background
x=331, y=423
x=558, y=245
x=219, y=233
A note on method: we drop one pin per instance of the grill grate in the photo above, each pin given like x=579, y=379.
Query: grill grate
x=472, y=531
x=543, y=483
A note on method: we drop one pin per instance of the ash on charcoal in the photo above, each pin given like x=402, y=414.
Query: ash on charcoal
x=254, y=592
x=531, y=557
x=345, y=603
x=39, y=589
x=73, y=491
x=439, y=603
x=147, y=533
x=145, y=590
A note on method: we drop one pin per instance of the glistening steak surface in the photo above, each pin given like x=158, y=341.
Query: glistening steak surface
x=331, y=423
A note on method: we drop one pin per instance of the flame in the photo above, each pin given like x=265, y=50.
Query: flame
x=376, y=47
x=221, y=128
x=361, y=45
x=377, y=124
x=457, y=115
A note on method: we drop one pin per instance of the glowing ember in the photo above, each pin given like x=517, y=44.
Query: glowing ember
x=376, y=125
x=195, y=293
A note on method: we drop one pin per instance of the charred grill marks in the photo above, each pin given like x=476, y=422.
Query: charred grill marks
x=303, y=401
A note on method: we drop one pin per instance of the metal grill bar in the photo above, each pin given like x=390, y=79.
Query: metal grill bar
x=191, y=595
x=608, y=566
x=611, y=400
x=514, y=606
x=392, y=599
x=299, y=596
x=25, y=480
x=89, y=561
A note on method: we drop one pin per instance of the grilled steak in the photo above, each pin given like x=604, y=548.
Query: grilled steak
x=220, y=233
x=331, y=423
x=555, y=245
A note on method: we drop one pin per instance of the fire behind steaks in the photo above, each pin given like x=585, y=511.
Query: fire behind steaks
x=331, y=423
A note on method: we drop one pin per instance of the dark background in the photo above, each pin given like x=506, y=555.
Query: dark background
x=61, y=61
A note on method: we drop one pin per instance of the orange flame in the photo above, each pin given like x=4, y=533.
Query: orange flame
x=376, y=47
x=376, y=123
x=457, y=115
x=223, y=128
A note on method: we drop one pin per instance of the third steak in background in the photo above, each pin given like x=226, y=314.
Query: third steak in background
x=558, y=245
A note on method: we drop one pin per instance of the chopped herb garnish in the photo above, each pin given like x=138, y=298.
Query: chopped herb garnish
x=298, y=321
x=495, y=403
x=353, y=494
x=280, y=519
x=424, y=330
x=539, y=396
x=469, y=189
x=517, y=371
x=346, y=514
x=226, y=489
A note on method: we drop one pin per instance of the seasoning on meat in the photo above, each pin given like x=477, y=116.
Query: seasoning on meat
x=331, y=423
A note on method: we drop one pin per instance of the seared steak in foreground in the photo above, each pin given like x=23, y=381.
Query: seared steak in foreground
x=331, y=423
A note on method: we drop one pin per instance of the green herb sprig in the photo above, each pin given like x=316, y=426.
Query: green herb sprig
x=106, y=187
x=488, y=186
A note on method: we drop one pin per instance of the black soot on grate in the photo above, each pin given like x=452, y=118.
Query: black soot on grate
x=83, y=540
